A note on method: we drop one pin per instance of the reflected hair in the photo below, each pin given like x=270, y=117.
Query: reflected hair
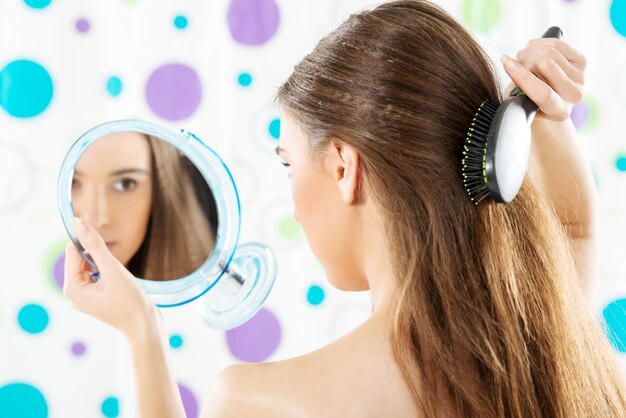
x=183, y=221
x=490, y=318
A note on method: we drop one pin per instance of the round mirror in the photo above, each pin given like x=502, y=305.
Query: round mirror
x=148, y=201
x=168, y=209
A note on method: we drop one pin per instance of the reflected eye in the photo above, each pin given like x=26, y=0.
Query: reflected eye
x=125, y=185
x=287, y=165
x=75, y=184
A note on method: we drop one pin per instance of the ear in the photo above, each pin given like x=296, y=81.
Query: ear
x=346, y=171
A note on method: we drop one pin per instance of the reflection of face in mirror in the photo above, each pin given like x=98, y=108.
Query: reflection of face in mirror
x=149, y=202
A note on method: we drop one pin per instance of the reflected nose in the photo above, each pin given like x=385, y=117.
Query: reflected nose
x=92, y=207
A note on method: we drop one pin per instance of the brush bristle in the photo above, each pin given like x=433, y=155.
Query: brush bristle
x=475, y=153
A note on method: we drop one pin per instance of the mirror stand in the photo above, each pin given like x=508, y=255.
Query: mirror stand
x=242, y=289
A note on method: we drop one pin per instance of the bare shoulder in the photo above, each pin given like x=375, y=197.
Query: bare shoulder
x=354, y=376
x=277, y=389
x=246, y=390
x=285, y=388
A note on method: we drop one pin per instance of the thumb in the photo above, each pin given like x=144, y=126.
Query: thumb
x=93, y=243
x=76, y=272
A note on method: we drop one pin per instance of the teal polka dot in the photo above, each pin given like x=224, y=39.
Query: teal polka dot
x=176, y=341
x=114, y=86
x=614, y=315
x=33, y=318
x=245, y=79
x=181, y=22
x=315, y=295
x=25, y=88
x=110, y=407
x=274, y=128
x=620, y=162
x=618, y=16
x=22, y=400
x=38, y=4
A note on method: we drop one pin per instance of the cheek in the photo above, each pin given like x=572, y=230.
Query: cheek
x=141, y=215
x=303, y=201
x=134, y=222
x=329, y=226
x=77, y=205
x=313, y=203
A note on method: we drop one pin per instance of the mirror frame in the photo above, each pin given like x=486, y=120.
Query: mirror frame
x=219, y=179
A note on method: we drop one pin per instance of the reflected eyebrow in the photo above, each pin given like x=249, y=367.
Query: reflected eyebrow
x=129, y=171
x=122, y=171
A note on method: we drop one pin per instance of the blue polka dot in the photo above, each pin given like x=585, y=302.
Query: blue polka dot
x=274, y=128
x=315, y=295
x=33, y=318
x=618, y=16
x=22, y=400
x=615, y=320
x=245, y=79
x=176, y=341
x=181, y=22
x=25, y=88
x=111, y=407
x=38, y=4
x=114, y=86
x=620, y=162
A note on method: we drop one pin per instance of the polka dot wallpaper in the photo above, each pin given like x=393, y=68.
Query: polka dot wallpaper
x=213, y=67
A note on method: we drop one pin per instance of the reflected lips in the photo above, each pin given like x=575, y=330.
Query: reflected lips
x=109, y=244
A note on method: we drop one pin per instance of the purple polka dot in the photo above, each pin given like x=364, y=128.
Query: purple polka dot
x=580, y=115
x=82, y=25
x=189, y=401
x=253, y=22
x=78, y=349
x=59, y=270
x=257, y=339
x=174, y=91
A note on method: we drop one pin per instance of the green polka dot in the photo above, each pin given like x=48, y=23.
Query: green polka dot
x=33, y=318
x=176, y=341
x=288, y=228
x=110, y=407
x=482, y=15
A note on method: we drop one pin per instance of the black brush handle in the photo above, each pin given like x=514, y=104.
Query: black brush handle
x=553, y=32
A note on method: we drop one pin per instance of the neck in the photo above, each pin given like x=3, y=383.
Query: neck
x=377, y=267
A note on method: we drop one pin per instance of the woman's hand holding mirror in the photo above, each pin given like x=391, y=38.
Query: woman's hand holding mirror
x=116, y=298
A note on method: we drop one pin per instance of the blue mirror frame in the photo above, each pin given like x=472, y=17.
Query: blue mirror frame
x=219, y=179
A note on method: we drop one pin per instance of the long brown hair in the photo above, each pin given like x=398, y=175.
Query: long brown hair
x=183, y=220
x=490, y=319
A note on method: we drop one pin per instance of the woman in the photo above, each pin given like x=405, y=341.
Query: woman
x=160, y=235
x=478, y=310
